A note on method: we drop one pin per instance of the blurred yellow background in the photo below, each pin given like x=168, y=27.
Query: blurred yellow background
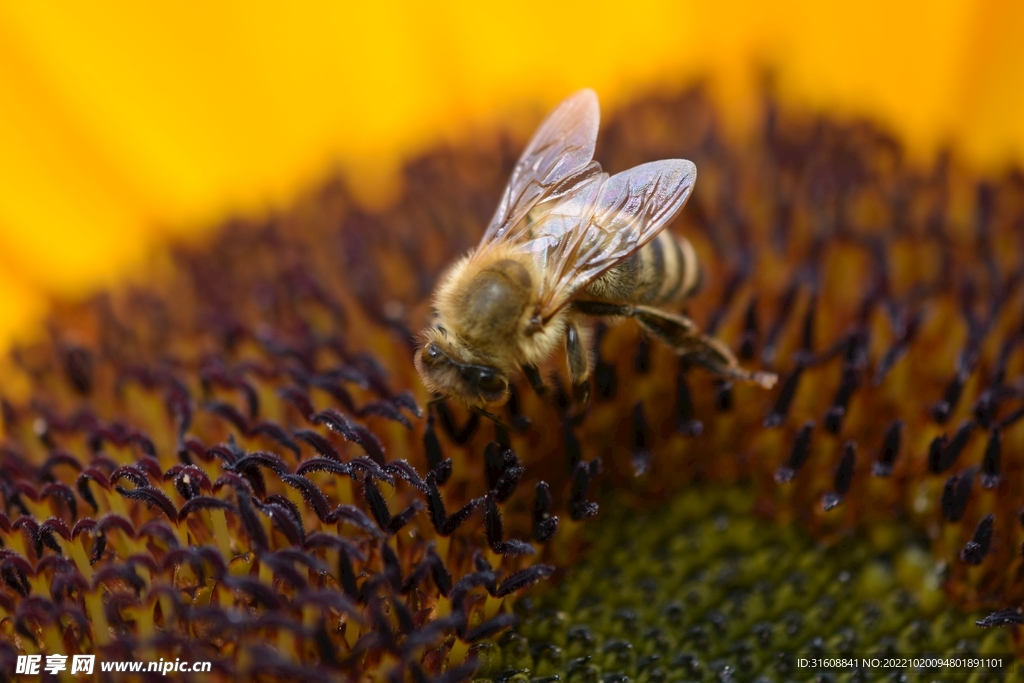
x=122, y=123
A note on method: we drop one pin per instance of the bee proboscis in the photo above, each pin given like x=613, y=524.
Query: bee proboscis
x=567, y=242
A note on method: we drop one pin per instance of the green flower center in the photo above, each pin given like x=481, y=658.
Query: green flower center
x=705, y=591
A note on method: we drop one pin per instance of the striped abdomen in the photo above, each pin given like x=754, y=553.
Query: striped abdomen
x=665, y=271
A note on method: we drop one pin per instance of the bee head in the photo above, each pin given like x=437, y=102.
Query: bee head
x=446, y=368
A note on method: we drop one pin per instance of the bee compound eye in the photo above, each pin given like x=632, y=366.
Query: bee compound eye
x=489, y=381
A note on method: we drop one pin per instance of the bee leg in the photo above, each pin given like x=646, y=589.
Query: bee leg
x=681, y=333
x=536, y=381
x=580, y=365
x=713, y=355
x=669, y=327
x=700, y=349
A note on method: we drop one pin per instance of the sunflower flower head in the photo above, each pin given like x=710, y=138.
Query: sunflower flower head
x=231, y=461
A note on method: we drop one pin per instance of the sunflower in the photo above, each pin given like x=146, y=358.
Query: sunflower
x=227, y=460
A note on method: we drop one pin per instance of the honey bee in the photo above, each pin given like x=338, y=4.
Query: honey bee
x=567, y=242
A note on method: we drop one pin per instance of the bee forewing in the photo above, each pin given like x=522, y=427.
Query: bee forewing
x=552, y=236
x=558, y=157
x=636, y=204
x=625, y=212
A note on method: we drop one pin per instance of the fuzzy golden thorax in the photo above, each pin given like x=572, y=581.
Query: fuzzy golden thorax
x=484, y=327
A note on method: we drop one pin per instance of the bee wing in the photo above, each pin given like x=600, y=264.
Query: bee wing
x=604, y=221
x=557, y=159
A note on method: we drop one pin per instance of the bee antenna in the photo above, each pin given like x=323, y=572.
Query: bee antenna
x=496, y=420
